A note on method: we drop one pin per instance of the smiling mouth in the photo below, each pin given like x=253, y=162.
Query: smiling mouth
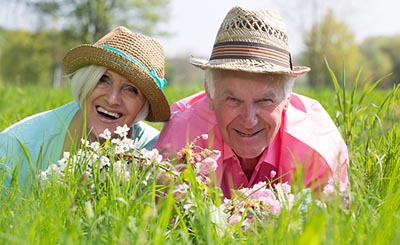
x=246, y=134
x=108, y=114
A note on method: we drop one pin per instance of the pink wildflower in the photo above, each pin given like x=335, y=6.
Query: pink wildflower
x=272, y=174
x=207, y=166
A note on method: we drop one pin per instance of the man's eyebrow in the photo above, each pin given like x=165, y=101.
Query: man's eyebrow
x=270, y=93
x=228, y=92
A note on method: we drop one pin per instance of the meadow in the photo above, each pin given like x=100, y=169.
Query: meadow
x=367, y=117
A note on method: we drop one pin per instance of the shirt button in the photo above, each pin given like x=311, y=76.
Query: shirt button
x=241, y=173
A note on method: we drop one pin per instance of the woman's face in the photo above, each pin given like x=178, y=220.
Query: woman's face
x=248, y=110
x=113, y=102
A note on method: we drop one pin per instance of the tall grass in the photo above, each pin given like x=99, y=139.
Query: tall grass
x=367, y=117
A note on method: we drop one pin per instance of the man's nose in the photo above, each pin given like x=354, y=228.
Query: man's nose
x=249, y=116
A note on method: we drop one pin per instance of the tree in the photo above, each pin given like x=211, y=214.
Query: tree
x=334, y=42
x=392, y=50
x=23, y=59
x=88, y=20
x=66, y=23
x=379, y=63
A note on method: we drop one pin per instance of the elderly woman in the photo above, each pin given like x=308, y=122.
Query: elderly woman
x=116, y=81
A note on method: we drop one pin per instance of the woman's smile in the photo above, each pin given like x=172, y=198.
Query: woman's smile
x=108, y=114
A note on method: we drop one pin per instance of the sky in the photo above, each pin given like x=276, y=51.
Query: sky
x=193, y=23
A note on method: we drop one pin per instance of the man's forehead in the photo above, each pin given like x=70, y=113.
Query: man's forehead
x=264, y=90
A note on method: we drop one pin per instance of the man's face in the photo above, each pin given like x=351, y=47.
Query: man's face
x=248, y=109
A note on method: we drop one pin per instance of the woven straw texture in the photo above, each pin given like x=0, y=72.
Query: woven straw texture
x=141, y=48
x=252, y=41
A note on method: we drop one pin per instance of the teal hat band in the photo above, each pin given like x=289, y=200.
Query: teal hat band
x=152, y=72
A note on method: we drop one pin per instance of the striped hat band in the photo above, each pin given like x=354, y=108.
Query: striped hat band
x=252, y=51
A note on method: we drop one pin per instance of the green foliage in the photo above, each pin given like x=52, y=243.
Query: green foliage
x=382, y=58
x=370, y=128
x=35, y=57
x=25, y=58
x=89, y=20
x=333, y=41
x=366, y=115
x=18, y=102
x=353, y=105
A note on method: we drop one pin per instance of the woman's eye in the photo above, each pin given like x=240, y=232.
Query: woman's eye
x=104, y=79
x=132, y=89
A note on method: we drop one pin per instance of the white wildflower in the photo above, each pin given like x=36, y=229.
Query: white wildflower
x=203, y=136
x=64, y=160
x=122, y=131
x=53, y=167
x=116, y=141
x=152, y=154
x=43, y=175
x=106, y=134
x=85, y=143
x=117, y=166
x=95, y=146
x=104, y=162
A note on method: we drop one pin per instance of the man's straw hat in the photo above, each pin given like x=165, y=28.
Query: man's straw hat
x=137, y=57
x=251, y=41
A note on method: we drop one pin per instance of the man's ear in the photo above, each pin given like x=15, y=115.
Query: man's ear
x=210, y=100
x=287, y=101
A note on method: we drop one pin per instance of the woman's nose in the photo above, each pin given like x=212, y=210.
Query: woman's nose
x=113, y=96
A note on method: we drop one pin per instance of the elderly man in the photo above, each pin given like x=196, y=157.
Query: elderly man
x=264, y=131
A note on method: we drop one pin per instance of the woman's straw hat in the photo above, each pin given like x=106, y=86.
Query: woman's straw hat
x=137, y=57
x=251, y=41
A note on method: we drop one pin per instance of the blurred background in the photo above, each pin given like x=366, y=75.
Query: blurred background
x=352, y=36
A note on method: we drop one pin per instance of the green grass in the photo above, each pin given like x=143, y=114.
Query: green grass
x=367, y=117
x=17, y=103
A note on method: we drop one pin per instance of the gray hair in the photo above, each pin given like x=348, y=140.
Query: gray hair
x=85, y=79
x=285, y=82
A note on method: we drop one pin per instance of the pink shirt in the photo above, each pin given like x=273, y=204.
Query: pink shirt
x=308, y=140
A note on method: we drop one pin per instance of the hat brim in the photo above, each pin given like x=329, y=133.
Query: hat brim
x=248, y=66
x=86, y=54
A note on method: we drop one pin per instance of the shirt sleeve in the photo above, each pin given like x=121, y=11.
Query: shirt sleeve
x=145, y=134
x=13, y=159
x=309, y=129
x=190, y=118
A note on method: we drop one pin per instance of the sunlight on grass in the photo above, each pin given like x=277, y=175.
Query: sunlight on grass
x=113, y=214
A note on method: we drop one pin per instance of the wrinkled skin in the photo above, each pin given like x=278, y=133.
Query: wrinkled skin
x=114, y=101
x=249, y=112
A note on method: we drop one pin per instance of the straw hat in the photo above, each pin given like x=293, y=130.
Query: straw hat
x=251, y=41
x=137, y=57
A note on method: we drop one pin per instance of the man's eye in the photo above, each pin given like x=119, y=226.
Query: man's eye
x=265, y=102
x=232, y=101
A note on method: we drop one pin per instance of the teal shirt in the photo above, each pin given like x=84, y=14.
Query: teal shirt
x=37, y=141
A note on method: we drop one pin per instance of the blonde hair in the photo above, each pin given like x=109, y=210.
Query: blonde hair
x=285, y=82
x=85, y=79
